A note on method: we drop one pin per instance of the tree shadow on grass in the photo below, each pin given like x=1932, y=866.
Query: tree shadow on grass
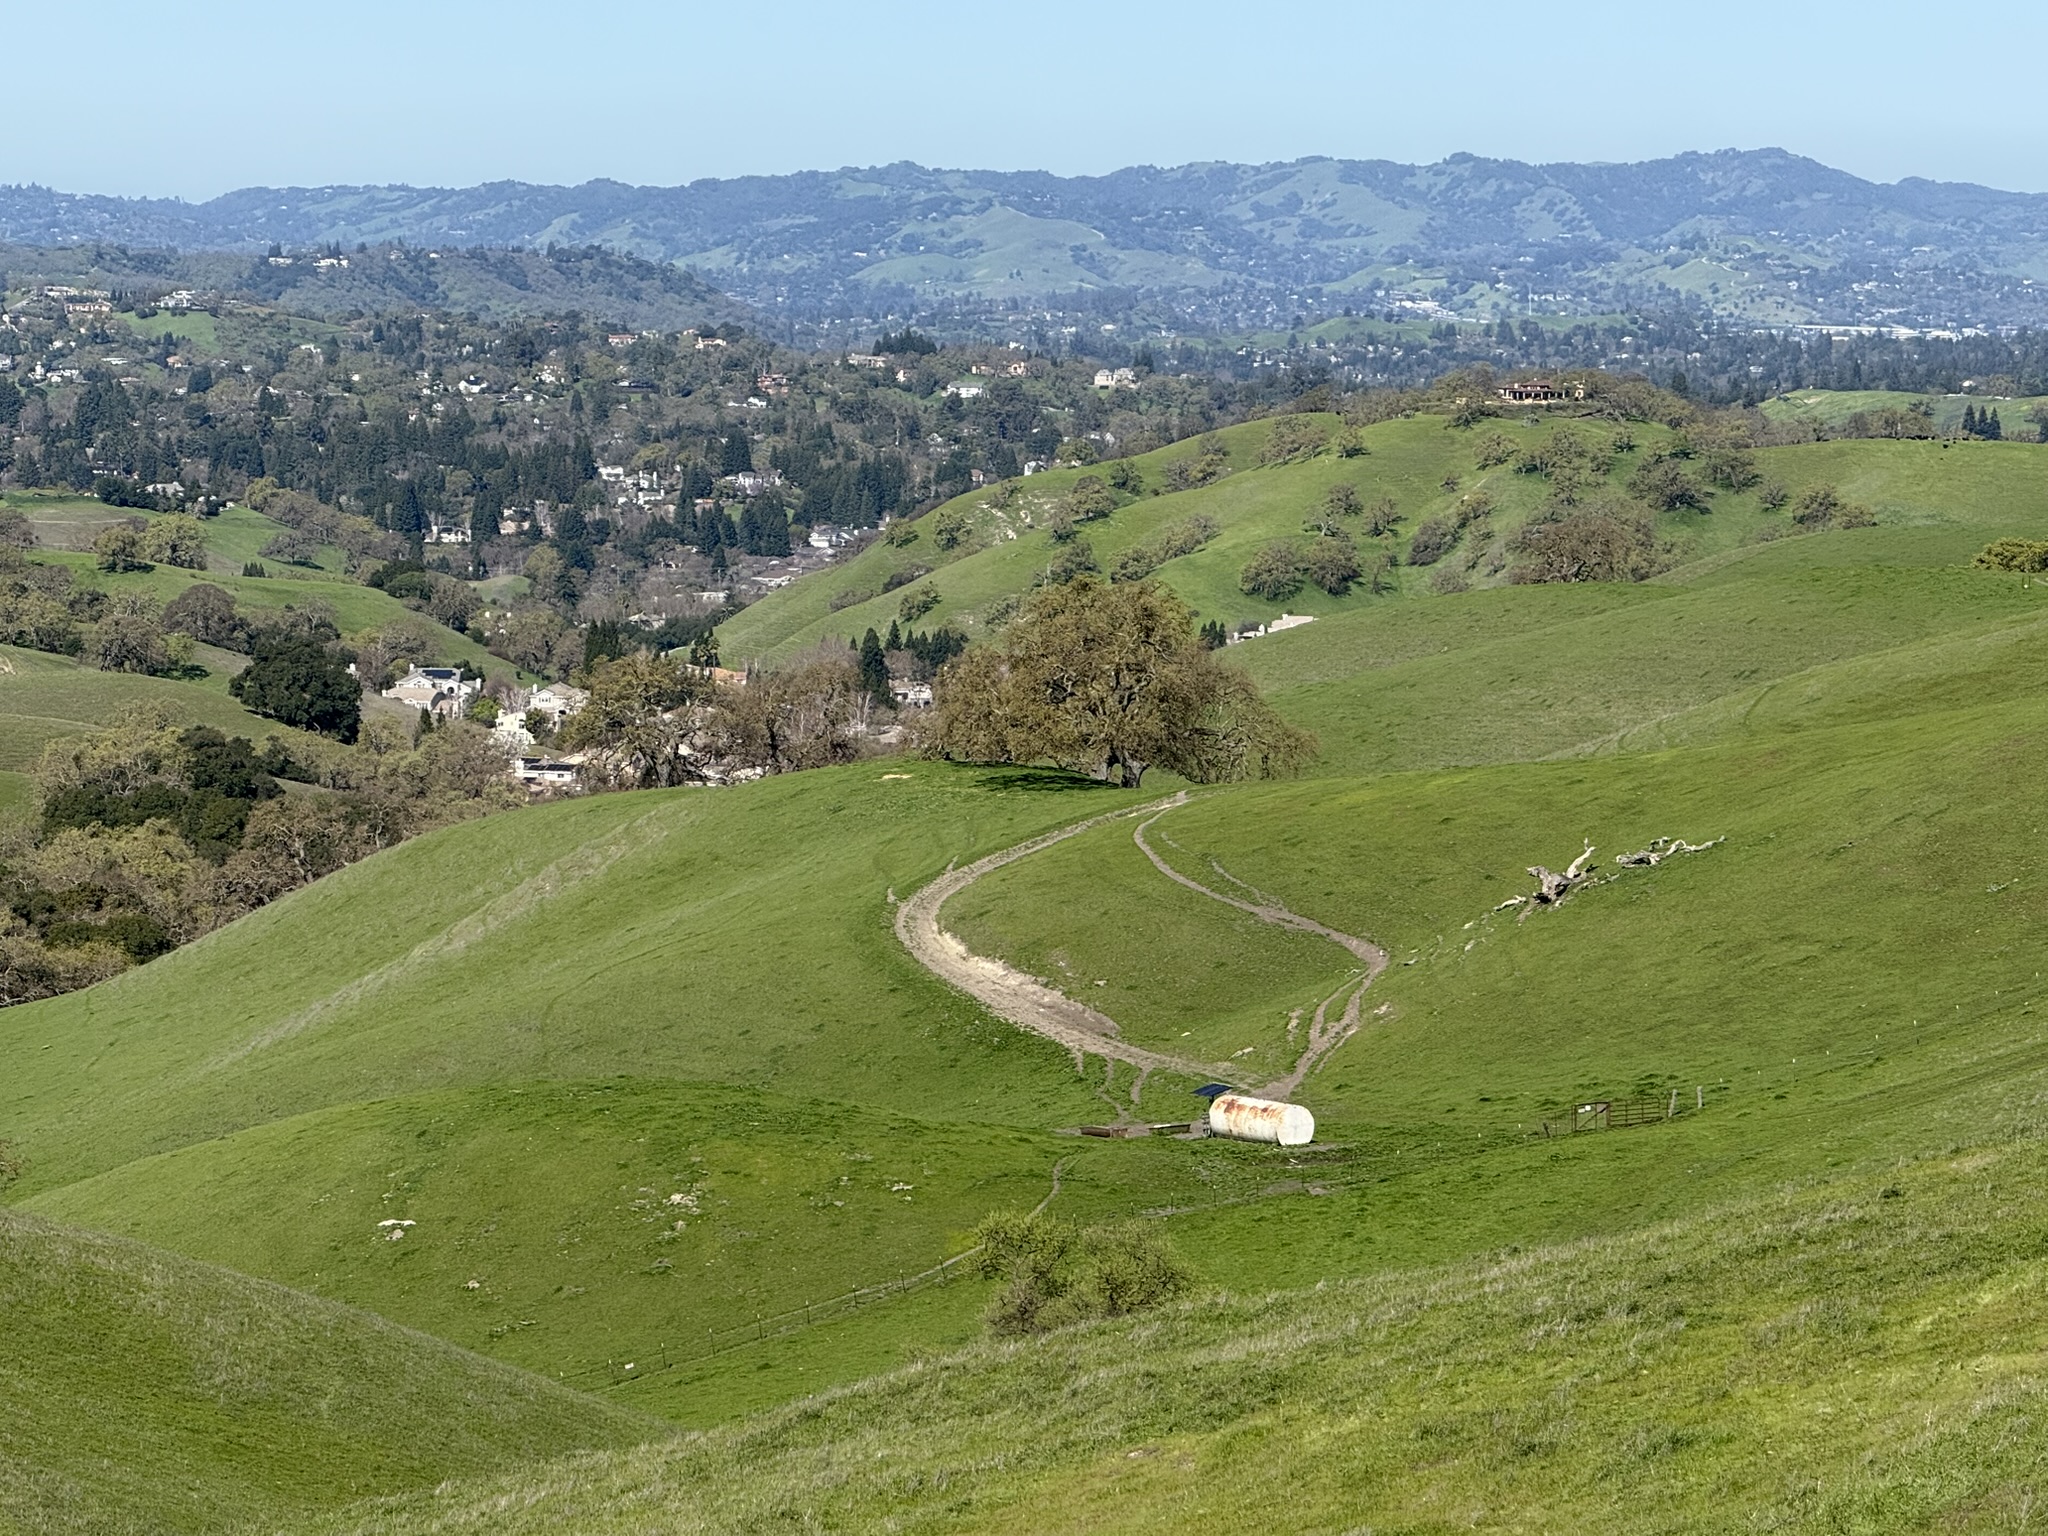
x=1036, y=780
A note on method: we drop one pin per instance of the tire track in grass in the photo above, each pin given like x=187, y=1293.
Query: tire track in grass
x=1324, y=1033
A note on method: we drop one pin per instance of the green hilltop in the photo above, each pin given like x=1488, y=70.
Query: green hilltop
x=679, y=1122
x=1009, y=538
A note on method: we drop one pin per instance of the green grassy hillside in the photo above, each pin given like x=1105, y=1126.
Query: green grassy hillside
x=1426, y=467
x=43, y=697
x=1861, y=1353
x=654, y=1072
x=149, y=1393
x=582, y=977
x=656, y=1227
x=1832, y=407
x=237, y=535
x=65, y=526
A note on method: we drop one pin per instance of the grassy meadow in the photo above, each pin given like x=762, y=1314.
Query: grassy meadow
x=148, y=1393
x=45, y=697
x=1855, y=1353
x=680, y=1126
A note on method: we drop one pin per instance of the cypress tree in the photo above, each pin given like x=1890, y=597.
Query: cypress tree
x=1990, y=426
x=1969, y=421
x=874, y=668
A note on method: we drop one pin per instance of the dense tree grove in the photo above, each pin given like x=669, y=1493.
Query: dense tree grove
x=150, y=834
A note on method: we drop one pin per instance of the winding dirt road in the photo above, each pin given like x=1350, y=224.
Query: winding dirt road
x=1030, y=1004
x=1009, y=993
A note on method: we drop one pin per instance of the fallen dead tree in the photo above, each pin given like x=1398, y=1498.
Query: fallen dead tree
x=1663, y=848
x=1552, y=888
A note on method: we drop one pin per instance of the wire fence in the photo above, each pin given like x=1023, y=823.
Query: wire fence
x=1623, y=1114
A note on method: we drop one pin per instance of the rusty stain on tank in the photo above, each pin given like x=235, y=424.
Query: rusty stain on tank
x=1244, y=1118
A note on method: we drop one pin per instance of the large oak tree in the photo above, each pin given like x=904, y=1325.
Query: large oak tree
x=1110, y=681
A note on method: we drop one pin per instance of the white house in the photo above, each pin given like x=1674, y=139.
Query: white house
x=436, y=690
x=509, y=733
x=558, y=701
x=752, y=482
x=542, y=772
x=1286, y=621
x=911, y=694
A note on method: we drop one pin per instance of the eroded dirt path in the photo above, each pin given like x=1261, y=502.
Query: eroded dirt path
x=1325, y=1034
x=1030, y=1004
x=1009, y=993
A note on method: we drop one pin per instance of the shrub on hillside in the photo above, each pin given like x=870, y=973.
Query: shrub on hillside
x=1294, y=439
x=1055, y=1274
x=1822, y=506
x=1071, y=557
x=42, y=607
x=2029, y=555
x=1610, y=543
x=905, y=577
x=1169, y=543
x=1450, y=579
x=119, y=548
x=1432, y=541
x=1332, y=564
x=1665, y=485
x=1492, y=449
x=207, y=614
x=177, y=540
x=1089, y=499
x=1110, y=681
x=292, y=547
x=1205, y=467
x=1274, y=573
x=129, y=637
x=917, y=604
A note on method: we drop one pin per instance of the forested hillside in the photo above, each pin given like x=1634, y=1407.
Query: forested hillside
x=1761, y=235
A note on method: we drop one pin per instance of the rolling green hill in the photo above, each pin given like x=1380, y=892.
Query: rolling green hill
x=1832, y=407
x=1856, y=1354
x=149, y=1393
x=43, y=697
x=1967, y=489
x=654, y=1072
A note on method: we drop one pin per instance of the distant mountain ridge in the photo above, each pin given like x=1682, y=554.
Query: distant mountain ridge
x=1763, y=235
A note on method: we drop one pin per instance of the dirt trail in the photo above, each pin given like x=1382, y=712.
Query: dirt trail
x=1009, y=993
x=1324, y=1033
x=1030, y=1004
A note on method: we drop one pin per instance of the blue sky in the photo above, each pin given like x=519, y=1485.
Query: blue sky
x=195, y=99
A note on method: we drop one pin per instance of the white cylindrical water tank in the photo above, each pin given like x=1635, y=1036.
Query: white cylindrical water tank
x=1244, y=1118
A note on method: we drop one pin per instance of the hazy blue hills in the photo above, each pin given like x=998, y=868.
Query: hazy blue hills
x=1763, y=235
